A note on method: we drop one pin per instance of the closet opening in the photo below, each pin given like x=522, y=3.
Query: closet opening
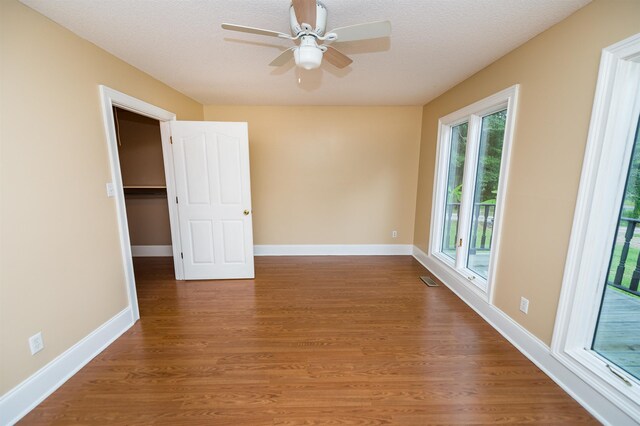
x=145, y=189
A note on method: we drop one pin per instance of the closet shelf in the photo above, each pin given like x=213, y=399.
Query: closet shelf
x=145, y=190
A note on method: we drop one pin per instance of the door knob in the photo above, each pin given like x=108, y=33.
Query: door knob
x=246, y=212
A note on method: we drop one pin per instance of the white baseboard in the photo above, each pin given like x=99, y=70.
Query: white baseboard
x=531, y=347
x=297, y=250
x=334, y=250
x=152, y=251
x=16, y=403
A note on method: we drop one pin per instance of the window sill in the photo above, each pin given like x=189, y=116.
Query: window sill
x=478, y=286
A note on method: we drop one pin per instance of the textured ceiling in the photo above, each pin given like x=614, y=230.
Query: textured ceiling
x=435, y=44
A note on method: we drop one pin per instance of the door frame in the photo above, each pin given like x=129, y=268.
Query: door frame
x=110, y=98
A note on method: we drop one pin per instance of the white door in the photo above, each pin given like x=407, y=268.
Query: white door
x=211, y=162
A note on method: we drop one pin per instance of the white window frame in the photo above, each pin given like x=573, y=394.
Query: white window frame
x=473, y=114
x=609, y=146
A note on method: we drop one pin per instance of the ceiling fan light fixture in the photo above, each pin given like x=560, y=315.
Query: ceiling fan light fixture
x=308, y=55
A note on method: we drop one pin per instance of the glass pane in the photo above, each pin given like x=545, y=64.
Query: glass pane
x=617, y=336
x=486, y=188
x=454, y=188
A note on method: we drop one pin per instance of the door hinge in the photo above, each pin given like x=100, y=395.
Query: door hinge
x=181, y=255
x=460, y=243
x=176, y=200
x=171, y=140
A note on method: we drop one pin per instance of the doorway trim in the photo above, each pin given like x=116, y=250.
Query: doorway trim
x=110, y=98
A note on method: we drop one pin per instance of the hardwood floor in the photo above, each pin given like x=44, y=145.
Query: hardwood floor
x=312, y=340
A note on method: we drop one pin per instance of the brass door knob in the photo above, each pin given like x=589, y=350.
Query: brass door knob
x=246, y=212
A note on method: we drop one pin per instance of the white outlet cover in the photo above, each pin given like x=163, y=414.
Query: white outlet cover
x=524, y=305
x=36, y=344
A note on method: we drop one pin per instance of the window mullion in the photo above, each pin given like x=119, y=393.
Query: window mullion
x=468, y=185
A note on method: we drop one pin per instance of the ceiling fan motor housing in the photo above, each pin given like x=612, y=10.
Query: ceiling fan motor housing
x=320, y=24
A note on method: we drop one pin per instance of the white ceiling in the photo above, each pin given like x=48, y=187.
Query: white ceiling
x=435, y=44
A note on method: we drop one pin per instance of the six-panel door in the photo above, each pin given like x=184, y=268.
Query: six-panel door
x=211, y=162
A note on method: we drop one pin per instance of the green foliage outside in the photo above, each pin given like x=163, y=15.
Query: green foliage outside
x=490, y=157
x=488, y=172
x=631, y=205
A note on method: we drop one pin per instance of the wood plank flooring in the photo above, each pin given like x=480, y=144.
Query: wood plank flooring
x=312, y=340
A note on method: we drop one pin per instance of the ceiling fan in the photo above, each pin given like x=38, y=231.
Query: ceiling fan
x=308, y=20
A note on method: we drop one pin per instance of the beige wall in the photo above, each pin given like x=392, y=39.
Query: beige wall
x=320, y=175
x=61, y=271
x=141, y=164
x=148, y=220
x=330, y=175
x=557, y=72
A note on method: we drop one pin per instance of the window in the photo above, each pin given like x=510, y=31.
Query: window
x=617, y=332
x=473, y=149
x=597, y=332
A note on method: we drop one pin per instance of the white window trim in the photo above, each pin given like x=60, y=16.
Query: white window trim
x=614, y=119
x=473, y=113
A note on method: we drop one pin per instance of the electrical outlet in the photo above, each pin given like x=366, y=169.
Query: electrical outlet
x=36, y=344
x=524, y=305
x=394, y=234
x=111, y=190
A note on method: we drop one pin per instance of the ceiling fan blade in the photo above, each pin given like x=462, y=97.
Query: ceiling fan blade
x=251, y=30
x=305, y=11
x=337, y=58
x=363, y=31
x=283, y=58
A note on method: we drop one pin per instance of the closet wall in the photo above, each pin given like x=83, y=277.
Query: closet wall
x=142, y=167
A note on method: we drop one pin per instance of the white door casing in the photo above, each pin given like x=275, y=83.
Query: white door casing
x=211, y=164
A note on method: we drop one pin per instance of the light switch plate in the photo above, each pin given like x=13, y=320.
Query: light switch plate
x=111, y=190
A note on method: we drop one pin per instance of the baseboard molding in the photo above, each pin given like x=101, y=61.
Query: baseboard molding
x=16, y=403
x=334, y=250
x=533, y=348
x=152, y=251
x=298, y=250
